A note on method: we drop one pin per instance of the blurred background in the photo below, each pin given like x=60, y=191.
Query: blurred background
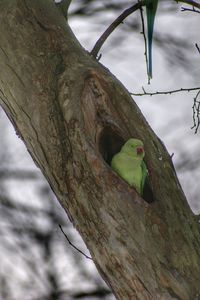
x=36, y=261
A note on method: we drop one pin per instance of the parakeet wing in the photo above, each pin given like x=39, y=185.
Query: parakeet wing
x=144, y=176
x=129, y=168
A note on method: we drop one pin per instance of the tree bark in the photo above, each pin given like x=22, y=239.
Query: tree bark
x=73, y=116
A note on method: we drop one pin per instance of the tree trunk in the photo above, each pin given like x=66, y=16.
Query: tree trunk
x=73, y=116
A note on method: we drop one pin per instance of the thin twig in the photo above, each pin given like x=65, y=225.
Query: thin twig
x=165, y=92
x=112, y=27
x=121, y=18
x=144, y=36
x=190, y=9
x=73, y=244
x=197, y=46
x=196, y=113
x=189, y=2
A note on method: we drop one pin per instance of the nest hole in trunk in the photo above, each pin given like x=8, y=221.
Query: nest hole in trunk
x=110, y=143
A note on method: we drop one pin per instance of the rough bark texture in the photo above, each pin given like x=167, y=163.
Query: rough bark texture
x=73, y=115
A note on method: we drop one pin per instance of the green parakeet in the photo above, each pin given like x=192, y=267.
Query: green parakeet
x=129, y=164
x=151, y=7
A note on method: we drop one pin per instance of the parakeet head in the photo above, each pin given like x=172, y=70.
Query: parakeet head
x=134, y=147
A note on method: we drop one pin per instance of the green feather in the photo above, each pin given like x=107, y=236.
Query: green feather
x=129, y=164
x=144, y=176
x=151, y=8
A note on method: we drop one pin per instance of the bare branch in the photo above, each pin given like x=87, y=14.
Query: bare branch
x=165, y=92
x=73, y=244
x=189, y=2
x=190, y=9
x=195, y=107
x=112, y=27
x=197, y=46
x=144, y=36
x=196, y=112
x=120, y=20
x=19, y=174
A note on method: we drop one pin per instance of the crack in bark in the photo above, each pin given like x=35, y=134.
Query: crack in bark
x=15, y=73
x=4, y=52
x=144, y=286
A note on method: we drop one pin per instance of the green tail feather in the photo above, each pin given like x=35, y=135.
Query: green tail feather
x=151, y=7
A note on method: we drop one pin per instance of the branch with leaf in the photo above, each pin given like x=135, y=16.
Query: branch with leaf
x=119, y=20
x=151, y=7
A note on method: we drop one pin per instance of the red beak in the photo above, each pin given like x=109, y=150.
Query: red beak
x=139, y=150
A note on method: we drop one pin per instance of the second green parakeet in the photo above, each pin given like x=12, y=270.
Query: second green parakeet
x=129, y=164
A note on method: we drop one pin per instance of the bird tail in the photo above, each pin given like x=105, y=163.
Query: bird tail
x=151, y=8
